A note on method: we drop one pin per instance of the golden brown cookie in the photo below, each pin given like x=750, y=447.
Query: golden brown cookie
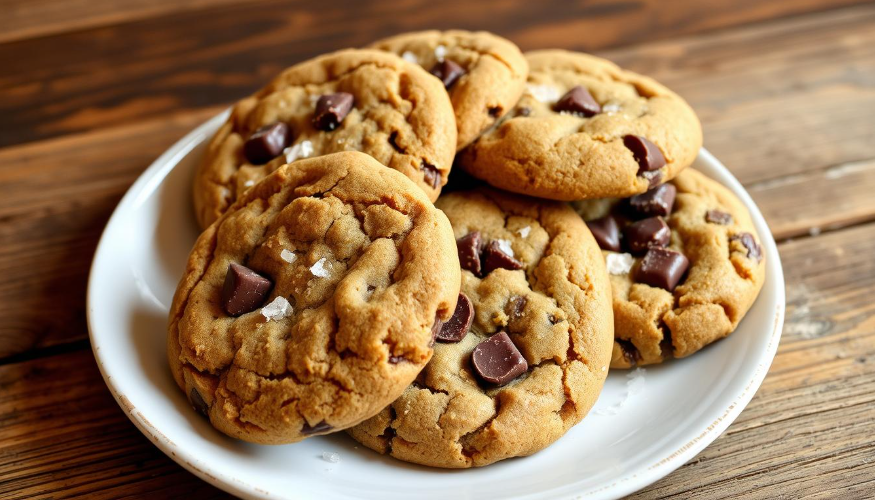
x=484, y=74
x=586, y=129
x=309, y=305
x=351, y=100
x=685, y=262
x=536, y=297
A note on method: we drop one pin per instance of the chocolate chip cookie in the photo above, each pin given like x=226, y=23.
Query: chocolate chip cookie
x=526, y=352
x=685, y=263
x=310, y=304
x=484, y=74
x=586, y=129
x=360, y=100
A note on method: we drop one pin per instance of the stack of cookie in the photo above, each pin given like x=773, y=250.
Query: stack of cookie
x=335, y=288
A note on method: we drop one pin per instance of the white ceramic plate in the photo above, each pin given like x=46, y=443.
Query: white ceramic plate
x=684, y=404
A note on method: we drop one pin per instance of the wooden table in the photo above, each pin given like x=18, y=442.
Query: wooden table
x=92, y=91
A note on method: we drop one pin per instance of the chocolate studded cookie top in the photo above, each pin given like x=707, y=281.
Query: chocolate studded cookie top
x=586, y=129
x=686, y=269
x=484, y=74
x=314, y=301
x=537, y=350
x=360, y=100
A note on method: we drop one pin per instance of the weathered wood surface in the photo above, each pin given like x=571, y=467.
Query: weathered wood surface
x=90, y=96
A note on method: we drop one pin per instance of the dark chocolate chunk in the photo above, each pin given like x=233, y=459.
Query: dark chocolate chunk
x=515, y=306
x=457, y=327
x=653, y=178
x=331, y=109
x=198, y=403
x=319, y=428
x=630, y=352
x=662, y=268
x=430, y=175
x=578, y=101
x=754, y=250
x=495, y=111
x=646, y=233
x=266, y=143
x=447, y=72
x=497, y=360
x=647, y=154
x=469, y=247
x=657, y=201
x=495, y=258
x=436, y=327
x=718, y=217
x=244, y=290
x=606, y=232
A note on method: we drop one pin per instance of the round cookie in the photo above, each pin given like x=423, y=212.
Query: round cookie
x=586, y=129
x=536, y=275
x=359, y=100
x=484, y=74
x=672, y=301
x=309, y=306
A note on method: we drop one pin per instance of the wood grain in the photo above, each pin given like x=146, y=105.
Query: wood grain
x=808, y=426
x=192, y=59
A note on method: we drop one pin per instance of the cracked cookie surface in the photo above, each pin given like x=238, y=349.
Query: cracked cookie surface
x=556, y=310
x=400, y=115
x=366, y=265
x=541, y=149
x=726, y=272
x=493, y=78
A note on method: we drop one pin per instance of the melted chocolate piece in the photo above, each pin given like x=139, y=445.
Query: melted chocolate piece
x=469, y=247
x=430, y=175
x=754, y=250
x=244, y=290
x=455, y=329
x=718, y=217
x=447, y=72
x=579, y=102
x=646, y=153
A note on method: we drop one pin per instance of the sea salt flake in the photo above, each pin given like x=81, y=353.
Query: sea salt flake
x=543, y=93
x=288, y=256
x=279, y=308
x=319, y=270
x=524, y=232
x=330, y=456
x=410, y=57
x=611, y=108
x=619, y=263
x=313, y=99
x=249, y=183
x=302, y=149
x=440, y=52
x=504, y=246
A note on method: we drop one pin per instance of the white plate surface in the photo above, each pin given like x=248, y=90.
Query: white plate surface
x=684, y=404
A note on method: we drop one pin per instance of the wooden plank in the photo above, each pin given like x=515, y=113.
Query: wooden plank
x=187, y=60
x=32, y=18
x=807, y=431
x=55, y=198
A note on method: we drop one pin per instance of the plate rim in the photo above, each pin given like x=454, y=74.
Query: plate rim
x=632, y=481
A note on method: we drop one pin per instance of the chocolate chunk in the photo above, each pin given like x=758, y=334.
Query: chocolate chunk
x=495, y=258
x=319, y=428
x=754, y=250
x=523, y=111
x=606, y=232
x=266, y=143
x=718, y=217
x=657, y=201
x=662, y=268
x=244, y=290
x=497, y=360
x=469, y=247
x=495, y=111
x=448, y=72
x=630, y=352
x=653, y=178
x=515, y=306
x=198, y=403
x=647, y=154
x=578, y=101
x=646, y=233
x=457, y=327
x=331, y=109
x=435, y=327
x=430, y=175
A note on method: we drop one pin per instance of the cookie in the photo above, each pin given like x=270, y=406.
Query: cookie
x=360, y=100
x=484, y=74
x=527, y=350
x=685, y=263
x=586, y=129
x=310, y=305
